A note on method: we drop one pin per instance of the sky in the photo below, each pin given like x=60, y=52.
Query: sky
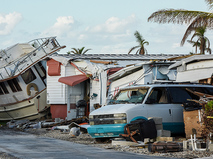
x=104, y=26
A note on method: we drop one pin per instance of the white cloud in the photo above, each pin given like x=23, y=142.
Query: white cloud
x=109, y=36
x=114, y=25
x=115, y=49
x=62, y=26
x=8, y=22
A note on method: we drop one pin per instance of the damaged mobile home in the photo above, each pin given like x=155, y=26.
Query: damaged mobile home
x=91, y=80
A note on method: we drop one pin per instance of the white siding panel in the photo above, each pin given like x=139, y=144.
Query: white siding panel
x=94, y=88
x=200, y=65
x=70, y=70
x=56, y=91
x=125, y=81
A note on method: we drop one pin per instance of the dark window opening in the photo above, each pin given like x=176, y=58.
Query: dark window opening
x=1, y=92
x=181, y=95
x=14, y=85
x=3, y=89
x=28, y=76
x=158, y=95
x=41, y=71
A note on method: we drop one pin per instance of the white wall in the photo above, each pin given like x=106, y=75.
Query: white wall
x=56, y=91
x=94, y=88
x=125, y=81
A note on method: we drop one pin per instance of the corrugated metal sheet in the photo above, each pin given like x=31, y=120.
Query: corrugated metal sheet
x=119, y=56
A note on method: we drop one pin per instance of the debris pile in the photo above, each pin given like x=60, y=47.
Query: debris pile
x=58, y=124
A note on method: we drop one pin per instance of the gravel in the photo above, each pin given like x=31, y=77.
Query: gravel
x=85, y=138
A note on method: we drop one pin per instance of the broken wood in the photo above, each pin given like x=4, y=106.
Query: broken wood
x=165, y=147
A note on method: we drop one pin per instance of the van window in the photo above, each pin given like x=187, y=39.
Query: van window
x=209, y=91
x=205, y=90
x=181, y=95
x=158, y=95
x=130, y=96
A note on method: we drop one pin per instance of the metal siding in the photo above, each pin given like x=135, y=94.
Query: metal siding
x=125, y=81
x=94, y=88
x=56, y=91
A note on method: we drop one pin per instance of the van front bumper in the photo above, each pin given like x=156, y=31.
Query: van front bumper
x=108, y=130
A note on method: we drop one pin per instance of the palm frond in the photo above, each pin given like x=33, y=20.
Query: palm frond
x=209, y=50
x=190, y=28
x=138, y=36
x=179, y=16
x=146, y=42
x=133, y=48
x=209, y=3
x=86, y=51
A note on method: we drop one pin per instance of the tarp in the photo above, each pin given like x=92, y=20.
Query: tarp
x=73, y=80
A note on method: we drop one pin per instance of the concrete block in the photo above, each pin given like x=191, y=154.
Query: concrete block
x=185, y=145
x=146, y=140
x=165, y=138
x=123, y=143
x=210, y=147
x=159, y=126
x=156, y=119
x=163, y=133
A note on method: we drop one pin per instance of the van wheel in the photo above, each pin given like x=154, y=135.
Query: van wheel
x=102, y=140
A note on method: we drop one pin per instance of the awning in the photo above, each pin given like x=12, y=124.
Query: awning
x=73, y=80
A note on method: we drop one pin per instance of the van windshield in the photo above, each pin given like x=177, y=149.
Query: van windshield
x=130, y=96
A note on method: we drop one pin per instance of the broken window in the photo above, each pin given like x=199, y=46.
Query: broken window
x=41, y=71
x=14, y=85
x=28, y=76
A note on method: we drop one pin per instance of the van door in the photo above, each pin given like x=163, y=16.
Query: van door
x=157, y=105
x=178, y=96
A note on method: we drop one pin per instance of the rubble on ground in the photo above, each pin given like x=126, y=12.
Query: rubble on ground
x=60, y=129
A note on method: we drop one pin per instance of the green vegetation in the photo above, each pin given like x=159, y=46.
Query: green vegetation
x=195, y=20
x=202, y=41
x=78, y=51
x=141, y=49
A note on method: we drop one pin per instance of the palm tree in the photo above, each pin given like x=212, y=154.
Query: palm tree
x=139, y=38
x=196, y=19
x=194, y=44
x=78, y=51
x=202, y=42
